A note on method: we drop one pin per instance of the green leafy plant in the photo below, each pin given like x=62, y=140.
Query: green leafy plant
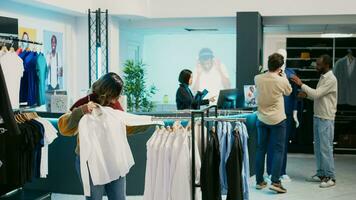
x=138, y=94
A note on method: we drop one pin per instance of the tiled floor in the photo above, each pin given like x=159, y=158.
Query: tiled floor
x=300, y=166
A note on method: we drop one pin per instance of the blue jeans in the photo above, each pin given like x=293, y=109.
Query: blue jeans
x=290, y=130
x=323, y=147
x=115, y=190
x=274, y=136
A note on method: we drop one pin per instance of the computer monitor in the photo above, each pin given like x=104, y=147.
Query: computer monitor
x=230, y=99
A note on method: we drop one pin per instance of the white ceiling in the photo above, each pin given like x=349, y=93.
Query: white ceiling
x=199, y=8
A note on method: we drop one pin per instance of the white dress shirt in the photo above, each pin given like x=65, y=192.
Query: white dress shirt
x=50, y=134
x=12, y=66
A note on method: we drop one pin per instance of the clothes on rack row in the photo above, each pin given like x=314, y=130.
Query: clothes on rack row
x=24, y=156
x=105, y=154
x=169, y=164
x=32, y=88
x=25, y=75
x=225, y=166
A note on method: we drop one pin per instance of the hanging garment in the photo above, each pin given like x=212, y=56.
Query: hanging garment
x=234, y=170
x=222, y=136
x=104, y=149
x=149, y=178
x=345, y=73
x=242, y=129
x=155, y=151
x=176, y=150
x=41, y=68
x=29, y=86
x=12, y=66
x=158, y=192
x=50, y=134
x=209, y=177
x=167, y=163
x=38, y=148
x=198, y=137
x=181, y=179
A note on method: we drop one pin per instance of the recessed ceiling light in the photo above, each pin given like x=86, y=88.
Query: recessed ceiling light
x=336, y=35
x=201, y=29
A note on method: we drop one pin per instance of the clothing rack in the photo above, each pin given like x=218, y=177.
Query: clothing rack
x=16, y=39
x=203, y=119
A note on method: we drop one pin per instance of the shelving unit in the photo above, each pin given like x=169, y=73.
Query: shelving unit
x=312, y=47
x=345, y=133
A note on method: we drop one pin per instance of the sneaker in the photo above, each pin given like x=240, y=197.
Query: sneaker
x=277, y=187
x=315, y=178
x=285, y=179
x=327, y=182
x=261, y=185
x=268, y=178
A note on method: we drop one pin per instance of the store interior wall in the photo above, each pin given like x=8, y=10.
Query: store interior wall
x=201, y=8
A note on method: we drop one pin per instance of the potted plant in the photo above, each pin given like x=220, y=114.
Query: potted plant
x=138, y=94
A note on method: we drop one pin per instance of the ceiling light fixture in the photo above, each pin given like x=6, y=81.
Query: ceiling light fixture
x=336, y=35
x=201, y=29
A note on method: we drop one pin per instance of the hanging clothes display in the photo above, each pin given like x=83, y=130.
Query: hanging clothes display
x=25, y=74
x=345, y=72
x=224, y=168
x=27, y=152
x=168, y=175
x=234, y=160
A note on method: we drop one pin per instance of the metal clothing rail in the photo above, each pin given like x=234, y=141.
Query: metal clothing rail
x=16, y=39
x=211, y=119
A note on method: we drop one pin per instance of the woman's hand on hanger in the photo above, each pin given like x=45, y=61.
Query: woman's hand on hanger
x=89, y=107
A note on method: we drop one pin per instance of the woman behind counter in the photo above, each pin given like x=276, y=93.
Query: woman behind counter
x=184, y=96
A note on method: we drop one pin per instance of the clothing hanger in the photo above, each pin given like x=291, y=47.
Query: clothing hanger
x=12, y=49
x=19, y=118
x=4, y=48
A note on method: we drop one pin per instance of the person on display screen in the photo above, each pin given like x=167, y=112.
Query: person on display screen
x=55, y=69
x=210, y=74
x=184, y=96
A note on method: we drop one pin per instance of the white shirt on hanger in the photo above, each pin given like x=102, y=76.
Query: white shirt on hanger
x=50, y=134
x=12, y=66
x=148, y=175
x=167, y=163
x=154, y=148
x=158, y=193
x=104, y=147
